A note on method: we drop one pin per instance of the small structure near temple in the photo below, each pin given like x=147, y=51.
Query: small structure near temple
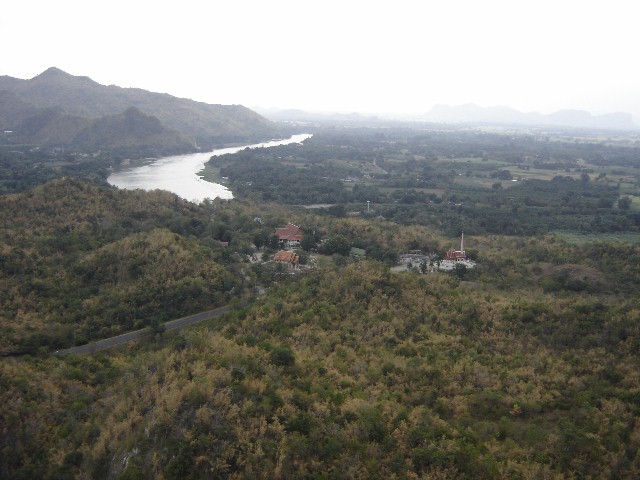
x=291, y=259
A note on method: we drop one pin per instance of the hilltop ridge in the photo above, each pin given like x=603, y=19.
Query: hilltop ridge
x=80, y=96
x=503, y=115
x=467, y=114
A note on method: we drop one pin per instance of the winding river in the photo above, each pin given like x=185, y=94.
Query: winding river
x=179, y=173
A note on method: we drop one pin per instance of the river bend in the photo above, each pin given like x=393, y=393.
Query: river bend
x=179, y=173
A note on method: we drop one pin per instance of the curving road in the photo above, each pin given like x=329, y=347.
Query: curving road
x=137, y=334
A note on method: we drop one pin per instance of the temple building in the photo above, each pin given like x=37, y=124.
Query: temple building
x=289, y=236
x=291, y=259
x=456, y=255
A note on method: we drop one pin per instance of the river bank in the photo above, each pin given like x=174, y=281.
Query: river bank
x=181, y=174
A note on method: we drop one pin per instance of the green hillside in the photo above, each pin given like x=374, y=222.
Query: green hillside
x=525, y=367
x=79, y=96
x=81, y=262
x=131, y=129
x=522, y=365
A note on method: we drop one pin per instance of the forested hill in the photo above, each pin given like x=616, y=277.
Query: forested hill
x=525, y=366
x=80, y=262
x=354, y=372
x=82, y=97
x=128, y=132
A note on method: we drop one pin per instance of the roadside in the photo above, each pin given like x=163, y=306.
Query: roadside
x=137, y=334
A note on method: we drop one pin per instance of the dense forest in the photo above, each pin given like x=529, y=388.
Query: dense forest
x=23, y=170
x=525, y=366
x=355, y=371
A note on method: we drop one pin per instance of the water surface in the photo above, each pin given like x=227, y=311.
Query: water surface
x=179, y=173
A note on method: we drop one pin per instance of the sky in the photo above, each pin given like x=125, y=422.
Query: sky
x=375, y=56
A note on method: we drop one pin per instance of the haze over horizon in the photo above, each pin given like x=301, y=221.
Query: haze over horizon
x=380, y=57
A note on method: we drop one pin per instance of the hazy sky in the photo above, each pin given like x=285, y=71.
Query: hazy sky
x=367, y=56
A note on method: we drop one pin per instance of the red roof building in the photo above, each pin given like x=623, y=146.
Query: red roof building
x=290, y=236
x=290, y=258
x=456, y=255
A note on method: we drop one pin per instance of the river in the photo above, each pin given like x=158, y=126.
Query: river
x=179, y=173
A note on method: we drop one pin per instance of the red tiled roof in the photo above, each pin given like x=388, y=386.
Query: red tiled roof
x=455, y=255
x=289, y=257
x=290, y=232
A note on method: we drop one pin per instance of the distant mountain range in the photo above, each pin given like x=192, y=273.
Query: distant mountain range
x=303, y=116
x=471, y=113
x=59, y=109
x=467, y=114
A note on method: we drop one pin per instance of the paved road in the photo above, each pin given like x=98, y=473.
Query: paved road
x=128, y=337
